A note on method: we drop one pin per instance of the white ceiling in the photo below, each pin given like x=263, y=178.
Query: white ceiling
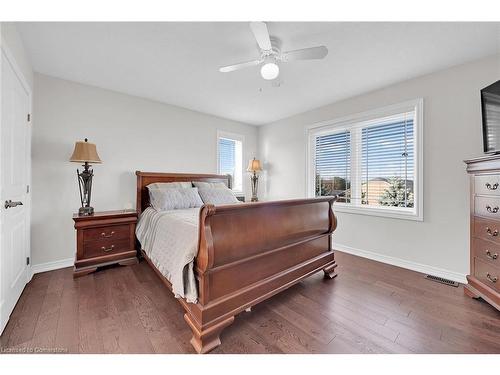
x=177, y=63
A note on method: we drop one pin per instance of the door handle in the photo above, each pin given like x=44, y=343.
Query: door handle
x=9, y=204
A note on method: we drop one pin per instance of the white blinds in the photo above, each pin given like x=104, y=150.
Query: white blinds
x=230, y=161
x=369, y=163
x=387, y=163
x=333, y=165
x=227, y=156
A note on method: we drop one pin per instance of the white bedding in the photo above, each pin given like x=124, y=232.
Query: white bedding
x=170, y=240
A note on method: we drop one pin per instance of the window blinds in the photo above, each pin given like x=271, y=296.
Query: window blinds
x=333, y=165
x=227, y=156
x=369, y=163
x=387, y=166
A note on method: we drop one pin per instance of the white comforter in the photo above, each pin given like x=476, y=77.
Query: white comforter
x=170, y=240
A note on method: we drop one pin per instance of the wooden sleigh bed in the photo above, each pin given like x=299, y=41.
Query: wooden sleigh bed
x=247, y=253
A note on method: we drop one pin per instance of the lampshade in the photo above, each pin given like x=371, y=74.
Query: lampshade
x=85, y=152
x=254, y=166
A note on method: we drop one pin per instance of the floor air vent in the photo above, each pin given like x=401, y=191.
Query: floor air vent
x=441, y=280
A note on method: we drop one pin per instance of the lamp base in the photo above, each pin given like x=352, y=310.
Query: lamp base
x=85, y=211
x=254, y=179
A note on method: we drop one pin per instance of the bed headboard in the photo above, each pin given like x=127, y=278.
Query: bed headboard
x=146, y=178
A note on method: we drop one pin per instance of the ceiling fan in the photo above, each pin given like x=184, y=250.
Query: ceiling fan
x=271, y=55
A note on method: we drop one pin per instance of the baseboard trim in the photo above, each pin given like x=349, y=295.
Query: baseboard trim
x=51, y=266
x=419, y=267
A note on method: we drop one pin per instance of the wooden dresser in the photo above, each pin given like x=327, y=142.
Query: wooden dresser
x=104, y=238
x=484, y=278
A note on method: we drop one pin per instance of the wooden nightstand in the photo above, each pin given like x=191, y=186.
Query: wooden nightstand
x=104, y=238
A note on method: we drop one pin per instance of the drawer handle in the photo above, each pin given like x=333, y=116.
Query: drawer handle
x=104, y=235
x=493, y=234
x=108, y=249
x=492, y=210
x=490, y=187
x=493, y=279
x=493, y=257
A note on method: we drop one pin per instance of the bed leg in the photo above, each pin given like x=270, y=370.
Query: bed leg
x=330, y=271
x=206, y=340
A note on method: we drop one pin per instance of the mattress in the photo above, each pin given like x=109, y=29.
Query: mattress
x=170, y=240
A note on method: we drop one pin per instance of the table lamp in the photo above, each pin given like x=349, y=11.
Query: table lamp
x=254, y=167
x=86, y=153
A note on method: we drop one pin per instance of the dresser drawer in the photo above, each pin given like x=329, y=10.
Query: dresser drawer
x=487, y=274
x=487, y=184
x=487, y=206
x=486, y=251
x=487, y=229
x=114, y=232
x=105, y=247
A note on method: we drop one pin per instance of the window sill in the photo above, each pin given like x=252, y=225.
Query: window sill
x=380, y=212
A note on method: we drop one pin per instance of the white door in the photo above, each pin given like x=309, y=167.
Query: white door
x=14, y=178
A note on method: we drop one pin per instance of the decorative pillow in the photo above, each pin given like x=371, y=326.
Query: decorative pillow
x=169, y=185
x=217, y=196
x=174, y=198
x=206, y=185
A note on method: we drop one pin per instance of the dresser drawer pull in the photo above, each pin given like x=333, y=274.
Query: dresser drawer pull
x=493, y=279
x=492, y=210
x=492, y=187
x=108, y=249
x=104, y=235
x=493, y=234
x=493, y=257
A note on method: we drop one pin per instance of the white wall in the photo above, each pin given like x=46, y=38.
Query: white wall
x=12, y=39
x=131, y=134
x=452, y=133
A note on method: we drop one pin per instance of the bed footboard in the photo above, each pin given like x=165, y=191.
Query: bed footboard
x=249, y=252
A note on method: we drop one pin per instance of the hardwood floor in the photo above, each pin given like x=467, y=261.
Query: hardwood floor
x=369, y=308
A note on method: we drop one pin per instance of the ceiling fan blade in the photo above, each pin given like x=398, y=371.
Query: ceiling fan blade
x=261, y=35
x=232, y=68
x=306, y=54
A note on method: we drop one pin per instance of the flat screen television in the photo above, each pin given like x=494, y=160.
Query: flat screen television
x=490, y=104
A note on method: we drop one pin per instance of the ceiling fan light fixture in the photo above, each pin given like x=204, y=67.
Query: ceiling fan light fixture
x=270, y=71
x=271, y=54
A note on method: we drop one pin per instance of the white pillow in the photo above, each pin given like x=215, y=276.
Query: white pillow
x=206, y=185
x=174, y=198
x=217, y=196
x=170, y=185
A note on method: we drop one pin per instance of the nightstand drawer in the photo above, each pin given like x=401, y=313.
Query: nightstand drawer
x=114, y=232
x=104, y=238
x=105, y=247
x=488, y=274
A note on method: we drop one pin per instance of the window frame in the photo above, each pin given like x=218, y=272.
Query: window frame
x=362, y=120
x=234, y=137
